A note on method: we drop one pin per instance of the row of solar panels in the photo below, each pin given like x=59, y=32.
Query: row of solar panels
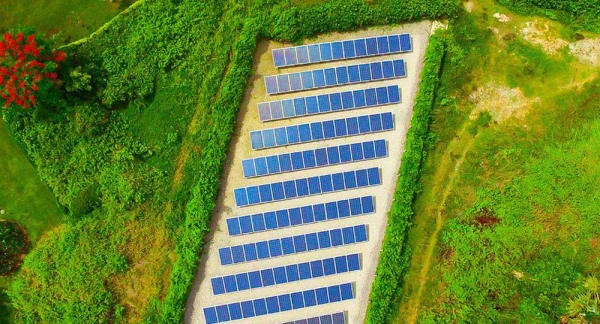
x=284, y=274
x=293, y=244
x=316, y=131
x=335, y=318
x=355, y=48
x=306, y=186
x=279, y=303
x=308, y=159
x=329, y=77
x=312, y=105
x=296, y=216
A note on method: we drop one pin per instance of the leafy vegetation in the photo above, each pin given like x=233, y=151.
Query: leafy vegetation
x=137, y=188
x=13, y=244
x=394, y=257
x=515, y=196
x=583, y=15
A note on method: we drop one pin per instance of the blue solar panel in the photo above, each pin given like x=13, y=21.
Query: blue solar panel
x=286, y=246
x=276, y=110
x=285, y=274
x=320, y=130
x=337, y=50
x=302, y=53
x=289, y=108
x=332, y=77
x=405, y=43
x=342, y=50
x=335, y=318
x=303, y=215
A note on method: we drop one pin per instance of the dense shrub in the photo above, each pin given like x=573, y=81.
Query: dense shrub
x=580, y=14
x=394, y=258
x=13, y=244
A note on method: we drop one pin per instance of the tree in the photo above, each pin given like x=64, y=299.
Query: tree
x=28, y=68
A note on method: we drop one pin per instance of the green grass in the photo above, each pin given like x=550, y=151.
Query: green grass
x=534, y=173
x=73, y=19
x=24, y=197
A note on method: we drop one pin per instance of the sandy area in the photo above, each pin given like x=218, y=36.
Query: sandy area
x=248, y=120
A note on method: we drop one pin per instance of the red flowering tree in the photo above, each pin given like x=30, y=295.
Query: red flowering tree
x=26, y=66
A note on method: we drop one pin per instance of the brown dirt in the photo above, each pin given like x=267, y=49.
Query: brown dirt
x=500, y=101
x=538, y=32
x=486, y=218
x=149, y=251
x=586, y=51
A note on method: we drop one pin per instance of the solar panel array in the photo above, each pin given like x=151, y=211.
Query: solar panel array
x=244, y=247
x=296, y=216
x=354, y=48
x=296, y=161
x=316, y=131
x=330, y=77
x=284, y=274
x=293, y=245
x=336, y=318
x=279, y=303
x=312, y=105
x=304, y=187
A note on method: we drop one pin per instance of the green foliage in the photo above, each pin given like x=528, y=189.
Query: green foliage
x=394, y=258
x=583, y=15
x=107, y=154
x=542, y=242
x=483, y=120
x=13, y=244
x=67, y=272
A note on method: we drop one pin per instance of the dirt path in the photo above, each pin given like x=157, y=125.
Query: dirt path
x=447, y=174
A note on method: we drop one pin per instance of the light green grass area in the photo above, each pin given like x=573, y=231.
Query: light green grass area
x=72, y=19
x=24, y=197
x=530, y=175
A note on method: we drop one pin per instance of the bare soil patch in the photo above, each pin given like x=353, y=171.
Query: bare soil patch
x=500, y=101
x=587, y=51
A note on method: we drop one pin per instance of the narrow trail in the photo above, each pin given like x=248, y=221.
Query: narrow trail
x=466, y=141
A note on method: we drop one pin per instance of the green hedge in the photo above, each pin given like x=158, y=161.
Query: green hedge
x=395, y=255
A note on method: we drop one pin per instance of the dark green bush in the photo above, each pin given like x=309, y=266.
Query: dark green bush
x=395, y=255
x=13, y=243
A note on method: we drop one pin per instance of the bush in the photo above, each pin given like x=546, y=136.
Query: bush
x=395, y=256
x=13, y=244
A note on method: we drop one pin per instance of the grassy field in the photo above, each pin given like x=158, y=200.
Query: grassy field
x=70, y=19
x=24, y=198
x=504, y=228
